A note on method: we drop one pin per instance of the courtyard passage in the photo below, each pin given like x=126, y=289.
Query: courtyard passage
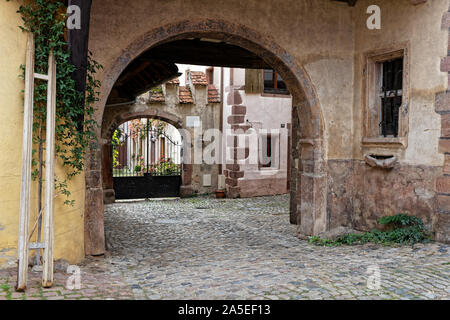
x=206, y=248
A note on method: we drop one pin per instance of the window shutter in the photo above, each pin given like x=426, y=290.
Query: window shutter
x=253, y=81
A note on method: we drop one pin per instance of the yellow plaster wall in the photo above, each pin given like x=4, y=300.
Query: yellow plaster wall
x=69, y=223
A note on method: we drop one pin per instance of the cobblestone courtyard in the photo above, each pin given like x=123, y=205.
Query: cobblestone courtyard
x=204, y=248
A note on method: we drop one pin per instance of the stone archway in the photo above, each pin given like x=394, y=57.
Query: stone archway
x=308, y=159
x=113, y=120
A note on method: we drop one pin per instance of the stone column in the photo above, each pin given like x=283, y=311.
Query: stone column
x=107, y=173
x=236, y=120
x=94, y=237
x=294, y=189
x=312, y=181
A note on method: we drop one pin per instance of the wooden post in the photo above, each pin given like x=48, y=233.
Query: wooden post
x=25, y=189
x=47, y=276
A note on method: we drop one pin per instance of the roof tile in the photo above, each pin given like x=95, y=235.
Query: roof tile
x=185, y=95
x=213, y=94
x=157, y=97
x=199, y=78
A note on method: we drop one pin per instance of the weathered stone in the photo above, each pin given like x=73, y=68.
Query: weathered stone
x=445, y=64
x=442, y=226
x=444, y=203
x=109, y=196
x=232, y=182
x=337, y=232
x=236, y=119
x=444, y=146
x=443, y=184
x=236, y=174
x=234, y=98
x=238, y=110
x=381, y=163
x=94, y=228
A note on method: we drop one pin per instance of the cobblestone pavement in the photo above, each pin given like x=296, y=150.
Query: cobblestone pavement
x=204, y=248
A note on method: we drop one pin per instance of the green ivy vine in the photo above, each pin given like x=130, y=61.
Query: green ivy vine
x=75, y=126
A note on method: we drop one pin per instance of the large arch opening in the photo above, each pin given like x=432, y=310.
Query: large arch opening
x=308, y=185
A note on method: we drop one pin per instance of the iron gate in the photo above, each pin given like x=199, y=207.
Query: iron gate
x=146, y=162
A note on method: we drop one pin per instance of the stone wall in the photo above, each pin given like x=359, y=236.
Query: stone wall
x=358, y=194
x=442, y=105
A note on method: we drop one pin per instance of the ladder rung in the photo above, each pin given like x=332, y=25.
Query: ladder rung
x=41, y=76
x=37, y=245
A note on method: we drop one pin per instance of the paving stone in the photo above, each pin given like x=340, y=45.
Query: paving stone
x=240, y=249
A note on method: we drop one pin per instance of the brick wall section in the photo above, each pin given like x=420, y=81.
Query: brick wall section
x=233, y=171
x=442, y=217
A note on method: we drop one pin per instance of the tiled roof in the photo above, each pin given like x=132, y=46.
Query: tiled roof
x=174, y=81
x=199, y=78
x=185, y=95
x=213, y=94
x=157, y=97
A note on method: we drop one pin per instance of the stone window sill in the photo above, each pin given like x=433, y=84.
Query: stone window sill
x=275, y=95
x=399, y=142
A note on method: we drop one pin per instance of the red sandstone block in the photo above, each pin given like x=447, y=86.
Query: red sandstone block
x=234, y=98
x=445, y=64
x=231, y=182
x=446, y=20
x=442, y=102
x=443, y=184
x=233, y=192
x=447, y=164
x=238, y=110
x=236, y=174
x=445, y=124
x=233, y=167
x=444, y=203
x=444, y=145
x=236, y=119
x=442, y=225
x=241, y=127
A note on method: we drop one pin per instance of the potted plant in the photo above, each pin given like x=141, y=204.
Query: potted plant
x=220, y=194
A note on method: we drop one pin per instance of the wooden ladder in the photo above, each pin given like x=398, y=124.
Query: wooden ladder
x=25, y=190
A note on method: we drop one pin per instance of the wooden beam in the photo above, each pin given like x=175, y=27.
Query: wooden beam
x=78, y=40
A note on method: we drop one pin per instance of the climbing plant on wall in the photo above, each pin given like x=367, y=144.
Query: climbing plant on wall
x=74, y=123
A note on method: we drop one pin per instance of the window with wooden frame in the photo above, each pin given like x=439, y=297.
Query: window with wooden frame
x=265, y=82
x=273, y=83
x=386, y=94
